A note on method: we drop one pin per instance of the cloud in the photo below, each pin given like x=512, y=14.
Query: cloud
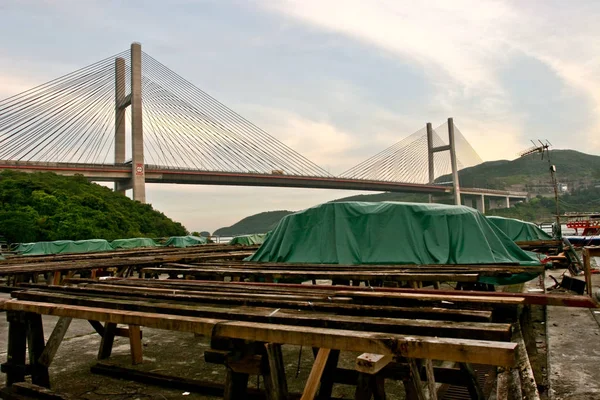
x=464, y=45
x=319, y=141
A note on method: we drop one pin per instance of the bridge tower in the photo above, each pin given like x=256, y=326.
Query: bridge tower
x=451, y=147
x=122, y=101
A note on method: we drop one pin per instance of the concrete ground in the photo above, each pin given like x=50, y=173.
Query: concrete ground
x=574, y=349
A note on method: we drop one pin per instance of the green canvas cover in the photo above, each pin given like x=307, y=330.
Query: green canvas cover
x=133, y=243
x=246, y=240
x=392, y=233
x=63, y=246
x=519, y=230
x=185, y=241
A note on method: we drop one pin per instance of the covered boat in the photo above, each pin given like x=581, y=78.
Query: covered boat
x=392, y=233
x=133, y=243
x=519, y=231
x=247, y=240
x=63, y=246
x=185, y=241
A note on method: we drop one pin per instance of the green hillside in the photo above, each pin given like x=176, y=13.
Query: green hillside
x=531, y=174
x=46, y=206
x=258, y=223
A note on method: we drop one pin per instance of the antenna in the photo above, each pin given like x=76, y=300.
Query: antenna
x=544, y=148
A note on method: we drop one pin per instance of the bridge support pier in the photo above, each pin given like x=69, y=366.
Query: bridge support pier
x=138, y=175
x=480, y=204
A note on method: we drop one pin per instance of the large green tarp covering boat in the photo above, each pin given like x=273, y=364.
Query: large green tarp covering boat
x=246, y=240
x=133, y=243
x=63, y=246
x=392, y=233
x=518, y=230
x=185, y=241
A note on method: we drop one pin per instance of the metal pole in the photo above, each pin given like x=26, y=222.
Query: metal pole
x=138, y=177
x=455, y=182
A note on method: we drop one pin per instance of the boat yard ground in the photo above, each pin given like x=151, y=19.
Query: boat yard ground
x=573, y=355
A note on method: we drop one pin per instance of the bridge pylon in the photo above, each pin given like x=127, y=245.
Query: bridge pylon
x=451, y=147
x=122, y=101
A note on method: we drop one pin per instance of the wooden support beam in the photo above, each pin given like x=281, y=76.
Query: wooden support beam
x=413, y=386
x=56, y=338
x=314, y=379
x=368, y=363
x=135, y=343
x=588, y=271
x=369, y=387
x=57, y=276
x=14, y=368
x=108, y=339
x=35, y=340
x=472, y=385
x=277, y=383
x=430, y=379
x=528, y=384
x=236, y=385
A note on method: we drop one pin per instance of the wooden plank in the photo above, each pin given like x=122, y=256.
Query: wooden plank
x=135, y=343
x=372, y=363
x=314, y=378
x=56, y=338
x=25, y=390
x=485, y=331
x=460, y=350
x=323, y=274
x=530, y=298
x=431, y=313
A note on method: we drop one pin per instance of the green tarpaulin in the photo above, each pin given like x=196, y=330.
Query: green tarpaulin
x=519, y=230
x=133, y=243
x=246, y=240
x=392, y=233
x=63, y=246
x=185, y=241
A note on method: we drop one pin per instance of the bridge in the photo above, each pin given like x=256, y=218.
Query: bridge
x=130, y=120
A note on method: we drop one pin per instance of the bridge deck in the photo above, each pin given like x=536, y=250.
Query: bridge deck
x=160, y=174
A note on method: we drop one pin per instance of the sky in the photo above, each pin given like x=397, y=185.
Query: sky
x=336, y=80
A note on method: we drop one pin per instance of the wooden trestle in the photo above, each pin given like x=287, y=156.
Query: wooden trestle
x=248, y=323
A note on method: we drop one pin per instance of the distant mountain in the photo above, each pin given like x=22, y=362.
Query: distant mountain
x=257, y=223
x=530, y=173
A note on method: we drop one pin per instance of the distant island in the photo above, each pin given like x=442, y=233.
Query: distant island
x=578, y=175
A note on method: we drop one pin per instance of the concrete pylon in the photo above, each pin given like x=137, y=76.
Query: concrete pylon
x=453, y=162
x=138, y=173
x=451, y=147
x=430, y=155
x=119, y=116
